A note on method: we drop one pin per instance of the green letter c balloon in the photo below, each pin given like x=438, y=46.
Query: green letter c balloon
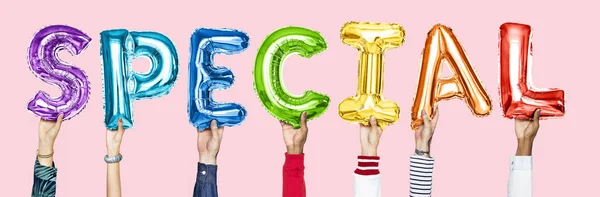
x=268, y=76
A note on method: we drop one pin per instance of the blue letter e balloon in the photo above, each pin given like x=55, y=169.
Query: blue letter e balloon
x=205, y=77
x=121, y=84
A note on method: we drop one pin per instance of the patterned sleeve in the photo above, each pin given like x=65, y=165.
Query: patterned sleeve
x=44, y=180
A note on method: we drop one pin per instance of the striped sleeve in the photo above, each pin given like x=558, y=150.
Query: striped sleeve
x=44, y=181
x=367, y=165
x=421, y=171
x=367, y=180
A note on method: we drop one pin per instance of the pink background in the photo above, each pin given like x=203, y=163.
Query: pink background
x=160, y=151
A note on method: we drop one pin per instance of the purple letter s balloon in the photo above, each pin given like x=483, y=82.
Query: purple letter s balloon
x=45, y=64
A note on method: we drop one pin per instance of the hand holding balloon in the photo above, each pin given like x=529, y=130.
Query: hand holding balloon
x=295, y=138
x=526, y=130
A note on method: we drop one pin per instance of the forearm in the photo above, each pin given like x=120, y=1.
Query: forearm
x=113, y=175
x=367, y=181
x=113, y=181
x=293, y=176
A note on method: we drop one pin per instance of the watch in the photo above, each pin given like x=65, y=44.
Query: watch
x=420, y=152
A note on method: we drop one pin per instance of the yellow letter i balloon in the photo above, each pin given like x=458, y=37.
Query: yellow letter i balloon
x=371, y=40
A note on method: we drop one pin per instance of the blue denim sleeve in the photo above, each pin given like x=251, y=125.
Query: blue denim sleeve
x=206, y=181
x=44, y=181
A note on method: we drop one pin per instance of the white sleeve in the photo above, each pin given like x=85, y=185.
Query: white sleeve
x=367, y=185
x=421, y=173
x=520, y=178
x=367, y=180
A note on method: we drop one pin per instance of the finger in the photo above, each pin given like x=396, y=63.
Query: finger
x=536, y=116
x=120, y=125
x=213, y=127
x=426, y=120
x=282, y=123
x=303, y=120
x=435, y=116
x=59, y=121
x=373, y=122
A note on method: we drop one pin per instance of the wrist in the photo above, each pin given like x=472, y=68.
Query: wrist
x=45, y=149
x=113, y=152
x=524, y=148
x=208, y=159
x=295, y=149
x=422, y=146
x=368, y=152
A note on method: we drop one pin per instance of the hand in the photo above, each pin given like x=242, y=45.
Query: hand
x=113, y=140
x=295, y=138
x=424, y=134
x=47, y=133
x=209, y=143
x=369, y=138
x=526, y=131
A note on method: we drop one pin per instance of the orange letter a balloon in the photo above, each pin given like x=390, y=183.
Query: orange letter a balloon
x=441, y=44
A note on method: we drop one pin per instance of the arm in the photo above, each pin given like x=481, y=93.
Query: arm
x=293, y=168
x=367, y=181
x=209, y=143
x=520, y=177
x=421, y=163
x=44, y=175
x=113, y=174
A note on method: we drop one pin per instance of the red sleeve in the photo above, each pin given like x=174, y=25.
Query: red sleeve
x=293, y=176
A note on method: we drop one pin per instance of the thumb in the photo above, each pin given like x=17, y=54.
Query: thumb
x=536, y=116
x=425, y=117
x=373, y=122
x=303, y=120
x=59, y=121
x=120, y=125
x=213, y=127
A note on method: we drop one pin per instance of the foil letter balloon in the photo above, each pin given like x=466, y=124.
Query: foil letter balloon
x=121, y=84
x=519, y=97
x=371, y=40
x=268, y=75
x=45, y=64
x=205, y=77
x=441, y=45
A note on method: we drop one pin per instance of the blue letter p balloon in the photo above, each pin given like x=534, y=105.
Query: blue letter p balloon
x=121, y=84
x=205, y=77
